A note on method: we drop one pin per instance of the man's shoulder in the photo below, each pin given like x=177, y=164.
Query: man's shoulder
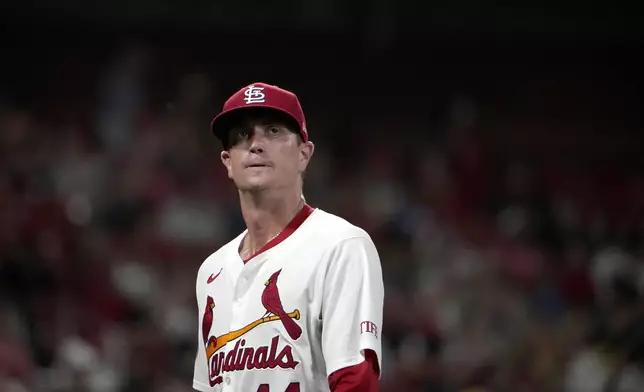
x=341, y=242
x=223, y=253
x=335, y=228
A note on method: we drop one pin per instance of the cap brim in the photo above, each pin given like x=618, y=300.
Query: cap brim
x=224, y=121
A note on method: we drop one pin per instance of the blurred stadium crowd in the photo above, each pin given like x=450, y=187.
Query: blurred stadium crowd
x=501, y=274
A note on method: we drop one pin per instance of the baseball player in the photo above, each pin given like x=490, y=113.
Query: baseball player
x=294, y=303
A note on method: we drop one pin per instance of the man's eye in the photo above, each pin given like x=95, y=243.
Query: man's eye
x=244, y=133
x=273, y=130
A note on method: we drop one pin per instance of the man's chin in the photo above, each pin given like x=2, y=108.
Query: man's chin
x=256, y=185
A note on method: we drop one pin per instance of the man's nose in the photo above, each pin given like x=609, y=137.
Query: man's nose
x=258, y=140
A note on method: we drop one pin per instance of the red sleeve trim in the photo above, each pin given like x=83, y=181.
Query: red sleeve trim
x=362, y=377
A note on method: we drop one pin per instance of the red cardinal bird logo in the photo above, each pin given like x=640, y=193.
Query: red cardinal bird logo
x=208, y=315
x=273, y=304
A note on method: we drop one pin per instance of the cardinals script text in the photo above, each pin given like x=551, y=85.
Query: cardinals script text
x=247, y=358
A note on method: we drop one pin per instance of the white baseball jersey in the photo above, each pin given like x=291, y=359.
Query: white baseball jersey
x=283, y=321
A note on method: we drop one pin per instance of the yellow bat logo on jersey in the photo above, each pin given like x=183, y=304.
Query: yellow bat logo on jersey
x=216, y=343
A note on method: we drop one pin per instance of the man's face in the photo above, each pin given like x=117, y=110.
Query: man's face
x=263, y=153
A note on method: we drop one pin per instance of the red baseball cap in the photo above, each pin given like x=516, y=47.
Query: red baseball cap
x=259, y=95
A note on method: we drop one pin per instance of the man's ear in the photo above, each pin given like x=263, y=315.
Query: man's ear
x=225, y=159
x=306, y=153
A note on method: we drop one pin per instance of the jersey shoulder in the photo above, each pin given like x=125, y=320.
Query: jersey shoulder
x=334, y=229
x=220, y=255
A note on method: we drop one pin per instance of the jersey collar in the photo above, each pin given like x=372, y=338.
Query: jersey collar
x=296, y=222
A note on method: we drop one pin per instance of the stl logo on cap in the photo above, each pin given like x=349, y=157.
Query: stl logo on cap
x=254, y=95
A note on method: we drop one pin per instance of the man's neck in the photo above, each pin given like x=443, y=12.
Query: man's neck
x=266, y=215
